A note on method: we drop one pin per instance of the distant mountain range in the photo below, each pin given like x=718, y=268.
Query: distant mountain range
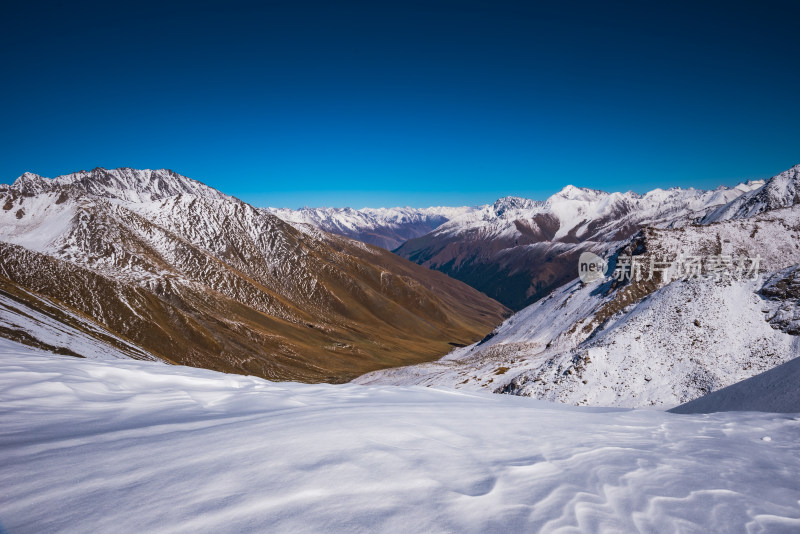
x=518, y=250
x=161, y=266
x=384, y=227
x=154, y=265
x=657, y=340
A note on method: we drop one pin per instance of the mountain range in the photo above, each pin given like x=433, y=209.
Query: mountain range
x=190, y=275
x=154, y=265
x=518, y=250
x=384, y=227
x=660, y=339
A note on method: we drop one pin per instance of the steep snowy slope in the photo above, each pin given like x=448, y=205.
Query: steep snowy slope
x=659, y=341
x=517, y=250
x=775, y=390
x=197, y=277
x=780, y=191
x=131, y=447
x=384, y=227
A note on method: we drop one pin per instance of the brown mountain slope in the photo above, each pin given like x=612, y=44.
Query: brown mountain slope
x=203, y=279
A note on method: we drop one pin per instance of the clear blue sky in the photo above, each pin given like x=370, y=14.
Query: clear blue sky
x=404, y=102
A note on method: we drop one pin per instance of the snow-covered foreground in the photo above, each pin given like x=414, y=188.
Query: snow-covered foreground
x=128, y=446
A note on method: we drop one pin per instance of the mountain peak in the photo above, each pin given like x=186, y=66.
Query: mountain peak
x=28, y=180
x=569, y=189
x=571, y=192
x=780, y=191
x=122, y=183
x=505, y=204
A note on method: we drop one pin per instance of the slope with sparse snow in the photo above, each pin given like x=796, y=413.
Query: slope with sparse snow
x=50, y=326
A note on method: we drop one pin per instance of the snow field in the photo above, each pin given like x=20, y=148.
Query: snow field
x=128, y=446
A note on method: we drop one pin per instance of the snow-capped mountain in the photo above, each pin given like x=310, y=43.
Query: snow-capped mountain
x=132, y=185
x=658, y=341
x=384, y=227
x=194, y=276
x=145, y=267
x=780, y=191
x=518, y=250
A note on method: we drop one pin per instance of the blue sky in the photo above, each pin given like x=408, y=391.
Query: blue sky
x=404, y=102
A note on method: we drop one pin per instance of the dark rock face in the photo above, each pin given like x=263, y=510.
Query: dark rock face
x=783, y=292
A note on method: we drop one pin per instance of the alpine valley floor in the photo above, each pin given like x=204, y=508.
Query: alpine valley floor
x=134, y=446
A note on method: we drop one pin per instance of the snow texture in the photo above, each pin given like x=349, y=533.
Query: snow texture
x=128, y=446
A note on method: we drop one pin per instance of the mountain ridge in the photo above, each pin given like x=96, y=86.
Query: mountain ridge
x=661, y=340
x=384, y=227
x=656, y=341
x=518, y=252
x=202, y=278
x=493, y=247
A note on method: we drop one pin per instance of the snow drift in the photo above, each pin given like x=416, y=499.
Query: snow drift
x=128, y=446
